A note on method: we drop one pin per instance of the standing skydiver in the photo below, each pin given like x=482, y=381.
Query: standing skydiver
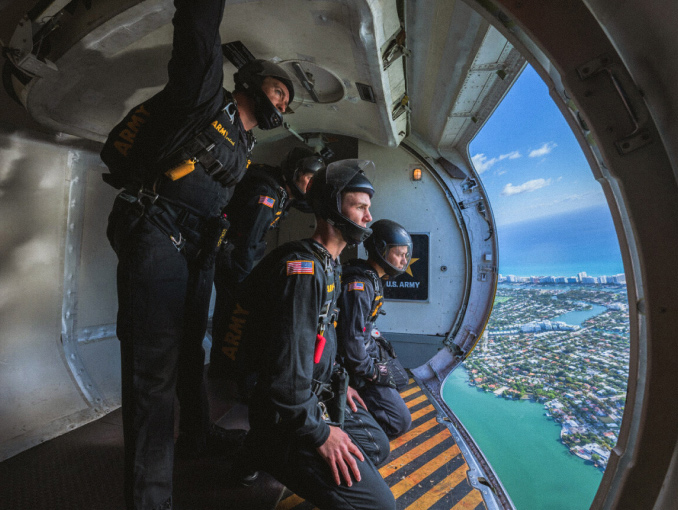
x=178, y=156
x=260, y=202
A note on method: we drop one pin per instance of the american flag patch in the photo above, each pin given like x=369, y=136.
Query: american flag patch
x=356, y=286
x=267, y=201
x=299, y=267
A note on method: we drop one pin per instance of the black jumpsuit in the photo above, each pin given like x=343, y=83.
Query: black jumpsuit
x=362, y=296
x=292, y=287
x=259, y=202
x=164, y=279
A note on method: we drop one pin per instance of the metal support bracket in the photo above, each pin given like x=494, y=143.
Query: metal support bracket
x=639, y=137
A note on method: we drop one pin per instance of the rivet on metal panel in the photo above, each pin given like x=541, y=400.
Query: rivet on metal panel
x=634, y=142
x=593, y=66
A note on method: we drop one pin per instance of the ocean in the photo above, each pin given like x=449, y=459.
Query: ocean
x=561, y=245
x=523, y=446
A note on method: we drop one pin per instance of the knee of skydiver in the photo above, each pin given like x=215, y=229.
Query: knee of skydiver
x=384, y=447
x=402, y=424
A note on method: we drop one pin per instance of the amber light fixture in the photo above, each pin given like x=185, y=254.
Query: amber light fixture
x=416, y=174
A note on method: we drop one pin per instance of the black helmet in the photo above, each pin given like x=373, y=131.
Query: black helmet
x=299, y=161
x=325, y=190
x=387, y=234
x=249, y=79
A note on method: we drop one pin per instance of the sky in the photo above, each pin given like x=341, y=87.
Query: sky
x=529, y=160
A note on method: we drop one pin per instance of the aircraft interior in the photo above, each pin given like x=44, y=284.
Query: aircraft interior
x=404, y=83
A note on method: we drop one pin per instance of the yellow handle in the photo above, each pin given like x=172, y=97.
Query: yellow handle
x=181, y=170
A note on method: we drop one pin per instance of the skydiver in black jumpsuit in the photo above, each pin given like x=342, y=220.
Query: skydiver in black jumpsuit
x=362, y=297
x=260, y=202
x=177, y=156
x=285, y=322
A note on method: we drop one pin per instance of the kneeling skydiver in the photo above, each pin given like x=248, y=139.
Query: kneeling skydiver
x=368, y=357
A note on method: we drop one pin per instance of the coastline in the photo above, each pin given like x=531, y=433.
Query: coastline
x=563, y=428
x=523, y=448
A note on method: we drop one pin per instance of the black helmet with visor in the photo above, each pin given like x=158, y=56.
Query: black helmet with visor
x=300, y=161
x=385, y=245
x=249, y=79
x=325, y=193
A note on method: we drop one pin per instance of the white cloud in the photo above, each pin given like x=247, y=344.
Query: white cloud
x=526, y=187
x=510, y=155
x=482, y=164
x=543, y=150
x=588, y=198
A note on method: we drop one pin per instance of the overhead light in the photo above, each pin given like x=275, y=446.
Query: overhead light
x=416, y=174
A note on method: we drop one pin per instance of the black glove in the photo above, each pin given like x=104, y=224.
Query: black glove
x=382, y=376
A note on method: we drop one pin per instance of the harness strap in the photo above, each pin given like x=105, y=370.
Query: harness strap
x=321, y=389
x=198, y=149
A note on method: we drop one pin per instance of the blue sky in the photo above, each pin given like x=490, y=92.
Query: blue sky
x=529, y=160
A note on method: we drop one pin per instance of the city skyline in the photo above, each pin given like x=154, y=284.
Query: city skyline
x=582, y=277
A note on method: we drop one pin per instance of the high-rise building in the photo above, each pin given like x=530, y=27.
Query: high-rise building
x=620, y=278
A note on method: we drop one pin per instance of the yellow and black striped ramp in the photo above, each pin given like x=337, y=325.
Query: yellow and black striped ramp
x=425, y=470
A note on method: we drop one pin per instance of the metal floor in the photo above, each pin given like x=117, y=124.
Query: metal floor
x=425, y=470
x=82, y=470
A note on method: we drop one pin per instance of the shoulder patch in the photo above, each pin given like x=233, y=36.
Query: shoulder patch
x=356, y=286
x=267, y=201
x=300, y=267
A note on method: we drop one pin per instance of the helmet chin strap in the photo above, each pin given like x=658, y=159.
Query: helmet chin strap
x=267, y=115
x=351, y=232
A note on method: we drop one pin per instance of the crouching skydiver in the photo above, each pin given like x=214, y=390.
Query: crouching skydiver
x=178, y=156
x=308, y=428
x=260, y=202
x=370, y=359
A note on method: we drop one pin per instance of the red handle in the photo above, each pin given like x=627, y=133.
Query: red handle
x=319, y=347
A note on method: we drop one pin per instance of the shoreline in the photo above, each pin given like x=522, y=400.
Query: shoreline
x=527, y=454
x=499, y=394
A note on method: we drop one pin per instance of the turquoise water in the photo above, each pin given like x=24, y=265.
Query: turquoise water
x=523, y=446
x=577, y=317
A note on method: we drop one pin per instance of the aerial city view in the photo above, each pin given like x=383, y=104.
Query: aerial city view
x=543, y=392
x=563, y=342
